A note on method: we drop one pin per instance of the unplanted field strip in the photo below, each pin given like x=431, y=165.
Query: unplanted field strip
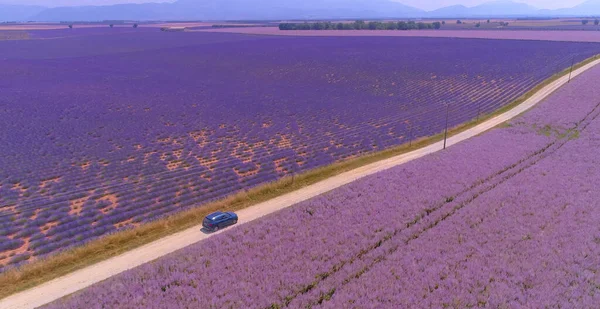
x=534, y=35
x=80, y=279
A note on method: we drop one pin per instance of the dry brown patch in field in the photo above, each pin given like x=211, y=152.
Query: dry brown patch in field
x=85, y=165
x=203, y=143
x=45, y=182
x=164, y=140
x=248, y=173
x=206, y=177
x=341, y=125
x=9, y=254
x=391, y=132
x=279, y=165
x=258, y=145
x=124, y=223
x=208, y=163
x=114, y=202
x=173, y=165
x=110, y=197
x=46, y=227
x=199, y=135
x=108, y=209
x=35, y=214
x=178, y=153
x=76, y=206
x=18, y=187
x=178, y=141
x=284, y=142
x=146, y=155
x=243, y=152
x=9, y=208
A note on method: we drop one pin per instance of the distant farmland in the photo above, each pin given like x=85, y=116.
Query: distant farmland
x=104, y=132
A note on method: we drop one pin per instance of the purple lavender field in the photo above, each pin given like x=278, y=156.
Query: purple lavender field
x=508, y=219
x=105, y=132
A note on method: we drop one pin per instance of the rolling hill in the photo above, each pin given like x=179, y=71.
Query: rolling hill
x=235, y=9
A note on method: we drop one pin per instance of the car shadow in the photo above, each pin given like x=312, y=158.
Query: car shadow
x=205, y=231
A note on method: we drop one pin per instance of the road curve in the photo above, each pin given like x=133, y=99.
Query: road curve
x=80, y=279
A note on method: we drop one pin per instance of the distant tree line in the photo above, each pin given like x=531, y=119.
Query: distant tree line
x=478, y=24
x=585, y=22
x=240, y=26
x=361, y=25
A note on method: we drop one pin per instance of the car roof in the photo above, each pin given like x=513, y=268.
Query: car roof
x=214, y=215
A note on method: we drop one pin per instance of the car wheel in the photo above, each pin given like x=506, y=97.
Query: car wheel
x=234, y=221
x=216, y=229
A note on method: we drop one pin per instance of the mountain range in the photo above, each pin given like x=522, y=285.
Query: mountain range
x=280, y=9
x=19, y=12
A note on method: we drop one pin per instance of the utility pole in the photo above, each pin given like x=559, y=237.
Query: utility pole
x=446, y=130
x=571, y=71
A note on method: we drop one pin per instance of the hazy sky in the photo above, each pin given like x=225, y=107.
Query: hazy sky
x=76, y=2
x=423, y=4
